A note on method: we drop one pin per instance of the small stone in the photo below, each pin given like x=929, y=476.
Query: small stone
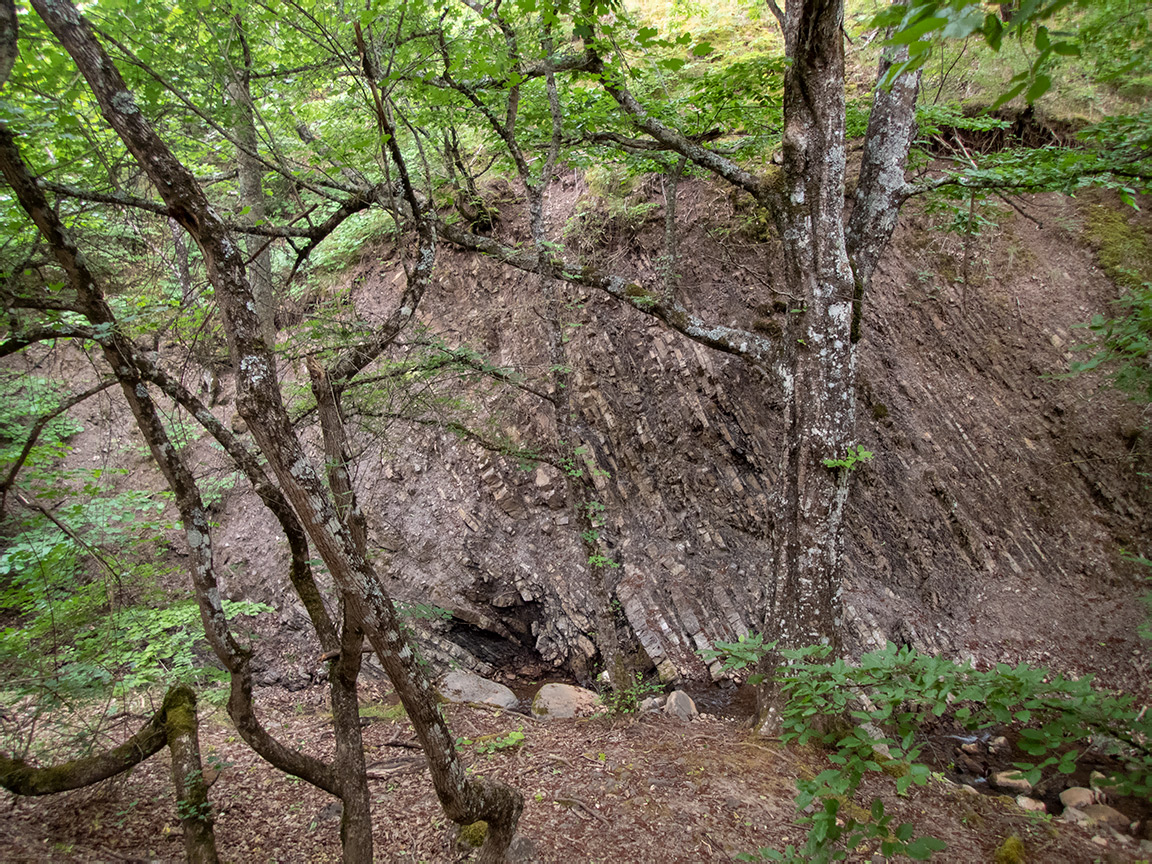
x=1100, y=781
x=971, y=747
x=1026, y=803
x=1100, y=841
x=522, y=851
x=652, y=703
x=1075, y=817
x=680, y=706
x=1011, y=781
x=998, y=744
x=460, y=686
x=1078, y=797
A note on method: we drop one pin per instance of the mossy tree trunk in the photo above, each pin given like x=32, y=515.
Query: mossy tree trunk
x=173, y=724
x=192, y=806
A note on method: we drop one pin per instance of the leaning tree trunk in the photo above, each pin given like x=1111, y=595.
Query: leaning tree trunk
x=465, y=798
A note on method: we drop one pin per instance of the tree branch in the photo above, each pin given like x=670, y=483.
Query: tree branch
x=730, y=340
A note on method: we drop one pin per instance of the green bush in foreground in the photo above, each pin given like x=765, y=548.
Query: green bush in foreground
x=868, y=714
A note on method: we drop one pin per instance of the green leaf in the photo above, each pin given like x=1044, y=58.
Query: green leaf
x=913, y=33
x=1009, y=95
x=1039, y=87
x=921, y=848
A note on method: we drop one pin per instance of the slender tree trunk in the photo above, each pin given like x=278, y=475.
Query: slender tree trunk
x=671, y=263
x=250, y=174
x=192, y=804
x=356, y=819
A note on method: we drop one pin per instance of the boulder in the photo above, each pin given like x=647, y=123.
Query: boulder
x=1108, y=815
x=459, y=686
x=680, y=706
x=562, y=701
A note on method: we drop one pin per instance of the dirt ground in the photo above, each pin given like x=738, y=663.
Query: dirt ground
x=639, y=788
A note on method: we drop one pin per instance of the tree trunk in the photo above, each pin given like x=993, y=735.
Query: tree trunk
x=356, y=818
x=250, y=174
x=821, y=381
x=192, y=804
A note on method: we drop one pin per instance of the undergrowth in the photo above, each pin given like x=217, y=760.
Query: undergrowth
x=867, y=716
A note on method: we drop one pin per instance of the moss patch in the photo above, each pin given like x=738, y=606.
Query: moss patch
x=384, y=712
x=1011, y=851
x=1123, y=249
x=473, y=835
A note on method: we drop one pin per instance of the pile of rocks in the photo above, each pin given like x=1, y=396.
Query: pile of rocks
x=1078, y=805
x=553, y=701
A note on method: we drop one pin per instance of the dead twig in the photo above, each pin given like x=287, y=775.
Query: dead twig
x=572, y=801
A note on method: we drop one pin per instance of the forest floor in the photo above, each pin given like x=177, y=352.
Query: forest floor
x=635, y=788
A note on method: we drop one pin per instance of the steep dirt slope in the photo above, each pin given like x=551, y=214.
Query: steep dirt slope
x=990, y=522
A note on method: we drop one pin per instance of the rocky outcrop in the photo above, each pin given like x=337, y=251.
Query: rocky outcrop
x=995, y=507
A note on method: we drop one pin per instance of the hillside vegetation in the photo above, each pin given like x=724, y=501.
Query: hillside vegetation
x=643, y=348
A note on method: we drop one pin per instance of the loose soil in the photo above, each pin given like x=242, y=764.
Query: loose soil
x=632, y=789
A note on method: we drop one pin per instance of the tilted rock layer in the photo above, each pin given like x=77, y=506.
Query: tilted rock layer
x=990, y=522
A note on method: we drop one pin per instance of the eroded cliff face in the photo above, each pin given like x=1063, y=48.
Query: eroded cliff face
x=990, y=521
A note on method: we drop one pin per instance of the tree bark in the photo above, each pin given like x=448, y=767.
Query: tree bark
x=250, y=173
x=820, y=383
x=356, y=818
x=192, y=806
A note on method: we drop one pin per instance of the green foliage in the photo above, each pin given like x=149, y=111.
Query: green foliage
x=1124, y=249
x=131, y=648
x=627, y=698
x=487, y=745
x=345, y=245
x=855, y=457
x=886, y=697
x=745, y=653
x=1123, y=345
x=27, y=398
